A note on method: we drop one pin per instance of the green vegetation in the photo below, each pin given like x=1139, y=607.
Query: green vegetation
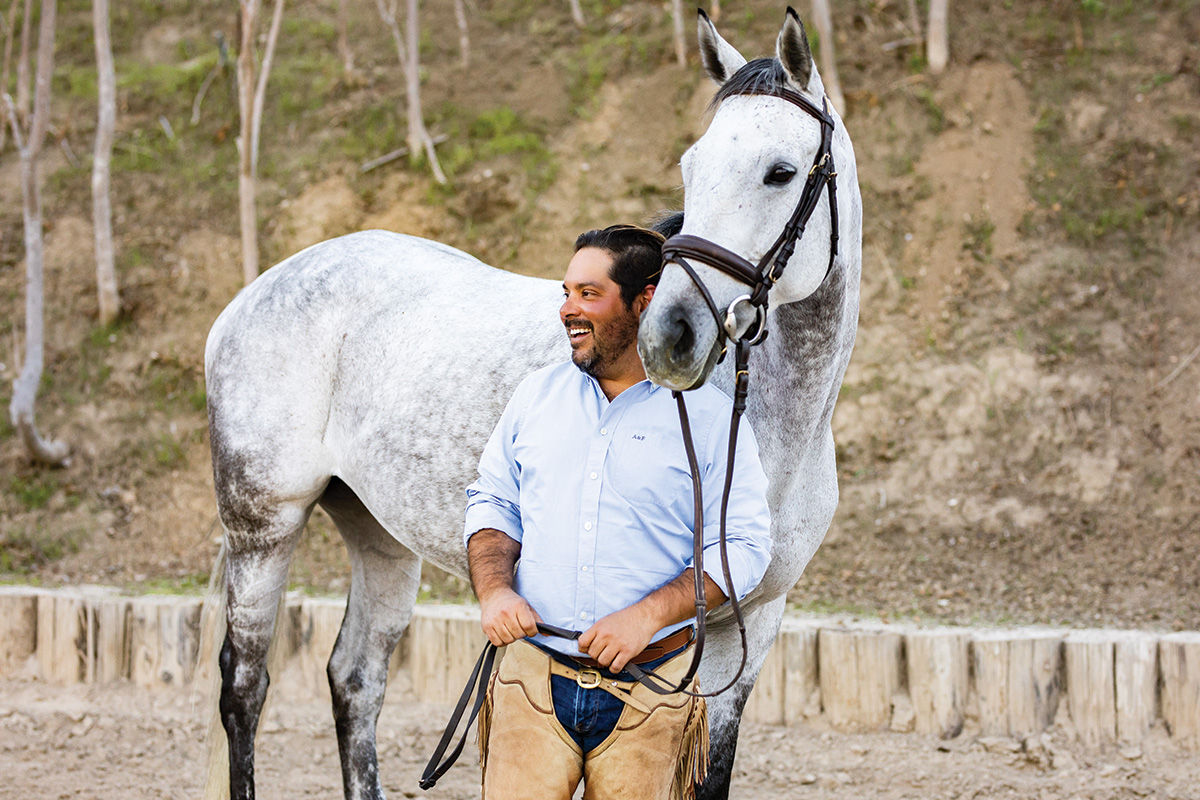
x=978, y=237
x=34, y=491
x=21, y=551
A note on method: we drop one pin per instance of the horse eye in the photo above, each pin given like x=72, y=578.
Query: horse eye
x=780, y=175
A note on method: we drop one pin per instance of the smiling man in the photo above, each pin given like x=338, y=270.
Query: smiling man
x=582, y=518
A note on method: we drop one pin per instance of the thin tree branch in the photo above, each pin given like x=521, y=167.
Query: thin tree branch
x=260, y=91
x=23, y=94
x=10, y=32
x=1175, y=373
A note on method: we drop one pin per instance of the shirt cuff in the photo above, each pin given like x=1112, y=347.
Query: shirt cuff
x=489, y=515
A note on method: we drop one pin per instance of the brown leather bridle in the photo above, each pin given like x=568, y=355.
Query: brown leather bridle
x=681, y=248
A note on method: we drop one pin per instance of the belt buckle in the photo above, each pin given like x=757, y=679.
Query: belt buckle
x=587, y=678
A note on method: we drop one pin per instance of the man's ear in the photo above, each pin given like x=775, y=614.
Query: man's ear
x=643, y=299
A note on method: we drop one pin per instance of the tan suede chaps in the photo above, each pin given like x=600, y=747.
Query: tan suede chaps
x=527, y=755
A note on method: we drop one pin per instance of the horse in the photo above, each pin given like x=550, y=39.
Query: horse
x=365, y=374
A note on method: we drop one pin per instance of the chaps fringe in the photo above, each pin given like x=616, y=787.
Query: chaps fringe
x=692, y=768
x=484, y=728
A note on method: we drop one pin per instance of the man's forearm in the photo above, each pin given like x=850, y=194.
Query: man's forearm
x=491, y=556
x=676, y=601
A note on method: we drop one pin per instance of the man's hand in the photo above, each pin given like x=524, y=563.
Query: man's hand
x=506, y=617
x=620, y=636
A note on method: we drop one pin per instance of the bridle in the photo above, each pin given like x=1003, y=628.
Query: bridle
x=760, y=278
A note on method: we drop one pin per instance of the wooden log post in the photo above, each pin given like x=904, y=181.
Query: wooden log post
x=859, y=671
x=1179, y=662
x=18, y=628
x=766, y=701
x=1136, y=677
x=62, y=638
x=801, y=682
x=164, y=637
x=1017, y=680
x=111, y=654
x=1091, y=686
x=938, y=679
x=320, y=621
x=446, y=641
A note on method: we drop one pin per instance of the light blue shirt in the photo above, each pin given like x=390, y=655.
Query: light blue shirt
x=599, y=495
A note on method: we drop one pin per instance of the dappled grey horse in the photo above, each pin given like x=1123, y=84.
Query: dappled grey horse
x=365, y=374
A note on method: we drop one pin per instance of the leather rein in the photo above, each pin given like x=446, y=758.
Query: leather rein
x=760, y=278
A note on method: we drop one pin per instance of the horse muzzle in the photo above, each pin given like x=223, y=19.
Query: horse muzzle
x=679, y=347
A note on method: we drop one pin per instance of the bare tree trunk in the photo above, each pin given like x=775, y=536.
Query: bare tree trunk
x=25, y=387
x=10, y=33
x=829, y=74
x=246, y=188
x=464, y=38
x=347, y=55
x=260, y=89
x=577, y=13
x=23, y=94
x=680, y=42
x=418, y=137
x=938, y=52
x=714, y=12
x=106, y=274
x=251, y=96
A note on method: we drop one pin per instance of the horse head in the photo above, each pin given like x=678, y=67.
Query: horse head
x=744, y=181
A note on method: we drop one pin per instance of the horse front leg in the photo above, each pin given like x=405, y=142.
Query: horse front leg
x=725, y=710
x=385, y=578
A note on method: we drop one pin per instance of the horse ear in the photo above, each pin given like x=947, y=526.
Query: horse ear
x=721, y=61
x=793, y=51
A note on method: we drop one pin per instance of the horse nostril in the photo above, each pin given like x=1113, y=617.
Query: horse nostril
x=685, y=340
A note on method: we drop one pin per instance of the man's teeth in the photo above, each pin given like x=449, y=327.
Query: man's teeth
x=578, y=331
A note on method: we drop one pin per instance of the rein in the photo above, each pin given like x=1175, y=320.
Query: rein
x=760, y=278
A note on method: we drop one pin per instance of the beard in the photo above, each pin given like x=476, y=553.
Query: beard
x=609, y=343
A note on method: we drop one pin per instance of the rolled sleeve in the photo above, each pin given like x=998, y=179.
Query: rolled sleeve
x=493, y=500
x=748, y=521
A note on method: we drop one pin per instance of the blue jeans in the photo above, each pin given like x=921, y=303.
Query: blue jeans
x=589, y=715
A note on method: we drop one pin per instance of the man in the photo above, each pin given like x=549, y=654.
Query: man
x=584, y=488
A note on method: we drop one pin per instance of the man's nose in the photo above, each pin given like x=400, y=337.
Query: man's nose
x=569, y=308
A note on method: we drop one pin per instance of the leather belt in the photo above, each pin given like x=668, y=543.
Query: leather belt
x=589, y=678
x=654, y=650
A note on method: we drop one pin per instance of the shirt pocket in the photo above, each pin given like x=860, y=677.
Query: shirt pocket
x=649, y=470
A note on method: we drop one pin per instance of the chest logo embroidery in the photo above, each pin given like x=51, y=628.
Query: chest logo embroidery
x=639, y=437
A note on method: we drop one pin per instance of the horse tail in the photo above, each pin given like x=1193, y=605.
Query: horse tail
x=208, y=678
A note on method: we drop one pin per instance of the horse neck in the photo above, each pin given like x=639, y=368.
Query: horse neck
x=797, y=372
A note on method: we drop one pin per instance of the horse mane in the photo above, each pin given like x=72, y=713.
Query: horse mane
x=668, y=223
x=760, y=76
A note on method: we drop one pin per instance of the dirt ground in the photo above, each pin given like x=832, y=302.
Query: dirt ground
x=124, y=744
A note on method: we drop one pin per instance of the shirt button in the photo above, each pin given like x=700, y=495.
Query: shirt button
x=587, y=526
x=604, y=431
x=593, y=476
x=584, y=568
x=583, y=615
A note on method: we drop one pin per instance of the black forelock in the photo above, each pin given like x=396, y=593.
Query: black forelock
x=760, y=76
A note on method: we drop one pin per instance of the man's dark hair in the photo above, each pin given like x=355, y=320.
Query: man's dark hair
x=637, y=256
